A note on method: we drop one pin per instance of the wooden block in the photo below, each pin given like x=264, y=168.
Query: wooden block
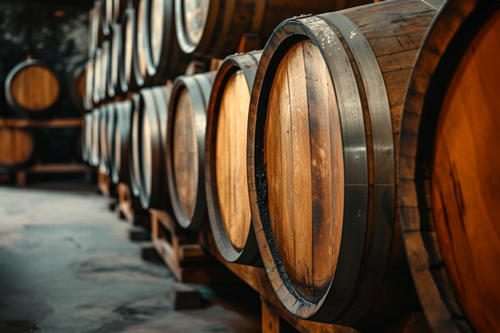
x=148, y=253
x=139, y=234
x=185, y=297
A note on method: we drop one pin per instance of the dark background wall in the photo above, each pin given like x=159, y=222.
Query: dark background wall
x=56, y=32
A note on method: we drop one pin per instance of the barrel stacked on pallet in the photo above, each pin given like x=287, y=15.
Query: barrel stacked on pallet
x=293, y=153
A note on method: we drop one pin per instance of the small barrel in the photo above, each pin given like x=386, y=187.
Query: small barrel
x=322, y=130
x=119, y=7
x=87, y=138
x=449, y=173
x=95, y=145
x=152, y=136
x=121, y=170
x=126, y=68
x=215, y=28
x=186, y=148
x=225, y=159
x=105, y=92
x=17, y=148
x=96, y=90
x=77, y=87
x=116, y=62
x=164, y=58
x=135, y=154
x=32, y=89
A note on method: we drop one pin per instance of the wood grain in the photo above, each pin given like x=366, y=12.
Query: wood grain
x=466, y=179
x=185, y=154
x=230, y=165
x=16, y=146
x=35, y=88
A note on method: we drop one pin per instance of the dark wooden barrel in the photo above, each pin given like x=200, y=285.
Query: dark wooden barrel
x=105, y=92
x=142, y=42
x=136, y=123
x=126, y=68
x=121, y=170
x=96, y=90
x=164, y=58
x=96, y=147
x=215, y=28
x=103, y=142
x=116, y=62
x=110, y=137
x=186, y=148
x=119, y=7
x=32, y=89
x=225, y=159
x=17, y=148
x=152, y=137
x=448, y=173
x=77, y=87
x=322, y=130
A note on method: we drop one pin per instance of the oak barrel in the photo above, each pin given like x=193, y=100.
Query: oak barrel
x=119, y=7
x=225, y=159
x=142, y=42
x=186, y=148
x=87, y=137
x=103, y=142
x=96, y=147
x=106, y=16
x=322, y=130
x=448, y=173
x=215, y=28
x=121, y=170
x=92, y=46
x=105, y=92
x=17, y=148
x=164, y=58
x=135, y=153
x=116, y=62
x=152, y=137
x=77, y=87
x=32, y=89
x=127, y=67
x=96, y=89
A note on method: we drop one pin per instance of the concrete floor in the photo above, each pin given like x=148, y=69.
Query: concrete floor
x=66, y=265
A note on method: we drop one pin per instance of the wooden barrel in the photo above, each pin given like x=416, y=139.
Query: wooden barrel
x=152, y=136
x=77, y=87
x=88, y=102
x=225, y=159
x=87, y=138
x=323, y=123
x=106, y=16
x=96, y=90
x=110, y=137
x=135, y=121
x=17, y=148
x=105, y=92
x=186, y=148
x=103, y=142
x=215, y=28
x=126, y=68
x=96, y=25
x=96, y=129
x=119, y=7
x=142, y=42
x=92, y=38
x=448, y=173
x=121, y=170
x=164, y=58
x=32, y=89
x=116, y=61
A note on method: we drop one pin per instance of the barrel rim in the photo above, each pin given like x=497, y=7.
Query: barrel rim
x=447, y=39
x=136, y=111
x=128, y=83
x=157, y=60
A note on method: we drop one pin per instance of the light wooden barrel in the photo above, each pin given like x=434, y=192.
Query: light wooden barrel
x=88, y=102
x=87, y=138
x=96, y=89
x=116, y=62
x=121, y=170
x=96, y=129
x=449, y=171
x=105, y=92
x=164, y=58
x=225, y=159
x=32, y=89
x=127, y=67
x=215, y=28
x=77, y=87
x=322, y=130
x=186, y=148
x=152, y=136
x=96, y=19
x=17, y=148
x=135, y=154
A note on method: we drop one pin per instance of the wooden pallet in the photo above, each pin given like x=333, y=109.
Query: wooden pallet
x=130, y=207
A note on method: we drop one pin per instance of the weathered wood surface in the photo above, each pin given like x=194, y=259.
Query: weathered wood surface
x=448, y=172
x=323, y=131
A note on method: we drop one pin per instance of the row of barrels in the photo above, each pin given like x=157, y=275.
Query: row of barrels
x=351, y=154
x=142, y=43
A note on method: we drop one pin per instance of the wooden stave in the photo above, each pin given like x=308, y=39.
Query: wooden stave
x=114, y=86
x=156, y=105
x=199, y=87
x=447, y=41
x=46, y=112
x=224, y=29
x=127, y=68
x=135, y=123
x=343, y=314
x=121, y=170
x=249, y=255
x=30, y=158
x=96, y=128
x=167, y=61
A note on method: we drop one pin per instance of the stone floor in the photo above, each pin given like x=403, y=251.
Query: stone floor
x=66, y=265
